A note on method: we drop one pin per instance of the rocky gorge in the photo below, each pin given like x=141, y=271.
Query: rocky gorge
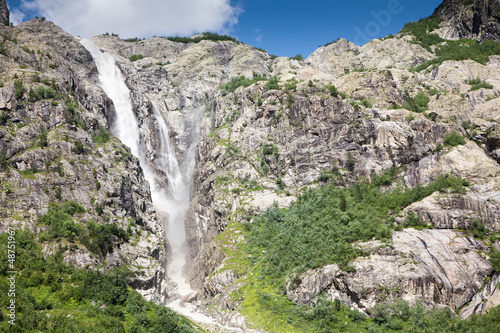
x=258, y=134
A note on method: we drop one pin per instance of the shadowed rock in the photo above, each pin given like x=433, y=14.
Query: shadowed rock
x=4, y=13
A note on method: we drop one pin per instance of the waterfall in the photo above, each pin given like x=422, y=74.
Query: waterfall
x=173, y=201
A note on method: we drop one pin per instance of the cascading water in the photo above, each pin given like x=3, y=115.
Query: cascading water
x=173, y=201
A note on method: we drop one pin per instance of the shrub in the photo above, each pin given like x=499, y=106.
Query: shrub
x=463, y=49
x=39, y=93
x=332, y=89
x=204, y=36
x=421, y=31
x=240, y=81
x=99, y=238
x=367, y=103
x=477, y=84
x=495, y=260
x=272, y=83
x=419, y=103
x=42, y=139
x=320, y=226
x=135, y=57
x=60, y=220
x=297, y=57
x=415, y=221
x=19, y=89
x=3, y=117
x=102, y=136
x=453, y=139
x=78, y=148
x=478, y=229
x=291, y=85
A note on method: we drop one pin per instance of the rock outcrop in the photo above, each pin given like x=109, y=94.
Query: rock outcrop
x=437, y=267
x=475, y=19
x=4, y=13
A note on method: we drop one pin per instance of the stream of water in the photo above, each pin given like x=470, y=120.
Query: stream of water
x=172, y=201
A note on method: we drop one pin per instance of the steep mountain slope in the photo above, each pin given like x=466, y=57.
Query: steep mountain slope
x=56, y=148
x=354, y=178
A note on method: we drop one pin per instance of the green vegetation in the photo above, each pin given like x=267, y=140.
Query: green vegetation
x=272, y=83
x=3, y=117
x=19, y=89
x=204, y=36
x=240, y=81
x=419, y=103
x=463, y=49
x=79, y=148
x=421, y=31
x=72, y=116
x=132, y=40
x=451, y=50
x=60, y=220
x=412, y=220
x=478, y=230
x=367, y=103
x=495, y=260
x=41, y=139
x=99, y=237
x=135, y=57
x=3, y=48
x=318, y=229
x=102, y=136
x=298, y=57
x=52, y=296
x=320, y=226
x=477, y=84
x=290, y=85
x=453, y=139
x=41, y=92
x=265, y=153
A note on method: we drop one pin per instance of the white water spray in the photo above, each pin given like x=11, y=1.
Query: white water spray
x=173, y=201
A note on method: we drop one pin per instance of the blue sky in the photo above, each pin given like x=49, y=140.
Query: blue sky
x=284, y=28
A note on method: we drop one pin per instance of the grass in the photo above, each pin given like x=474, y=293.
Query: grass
x=52, y=296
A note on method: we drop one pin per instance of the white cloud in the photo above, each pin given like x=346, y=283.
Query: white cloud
x=134, y=18
x=16, y=16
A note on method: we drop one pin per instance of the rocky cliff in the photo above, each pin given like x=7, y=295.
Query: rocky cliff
x=474, y=19
x=55, y=147
x=264, y=131
x=335, y=114
x=4, y=13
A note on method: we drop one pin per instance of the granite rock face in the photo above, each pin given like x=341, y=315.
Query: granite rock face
x=478, y=19
x=434, y=266
x=4, y=13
